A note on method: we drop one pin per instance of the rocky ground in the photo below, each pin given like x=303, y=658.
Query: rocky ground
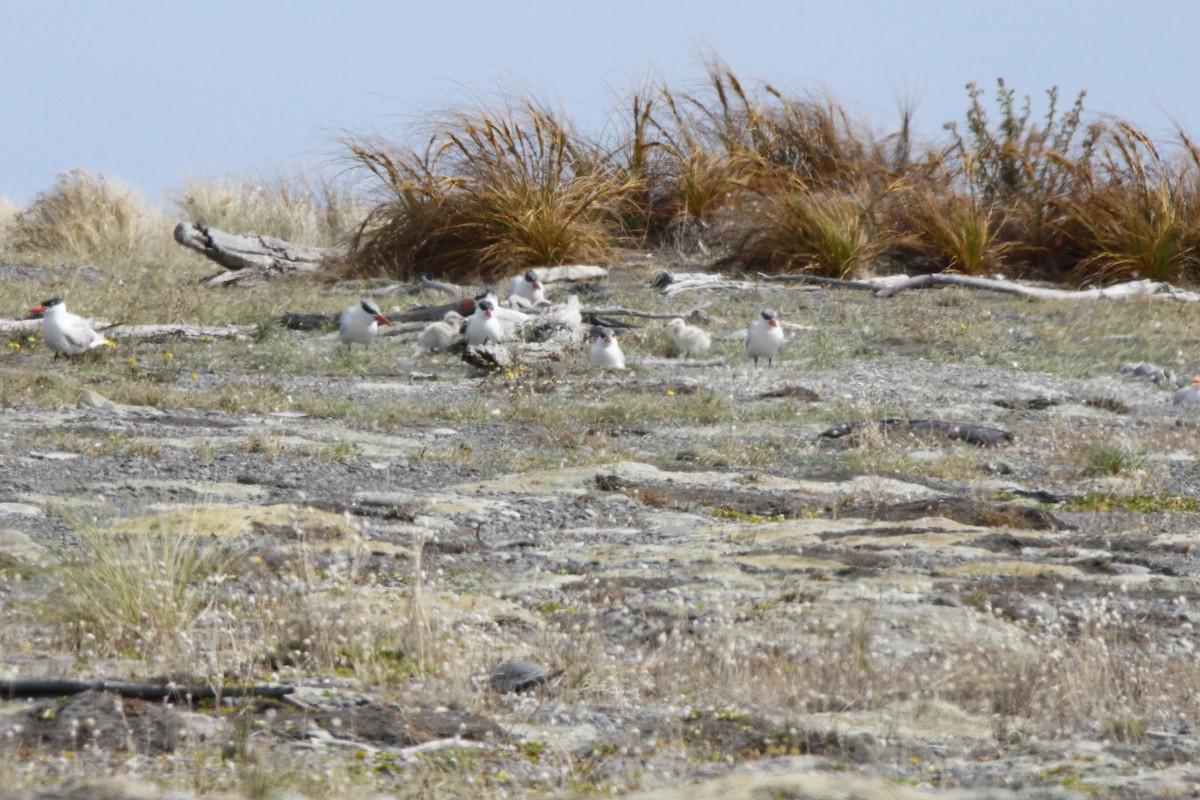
x=739, y=606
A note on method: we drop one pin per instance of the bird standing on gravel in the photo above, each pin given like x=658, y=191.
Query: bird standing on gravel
x=690, y=340
x=359, y=323
x=606, y=353
x=483, y=326
x=765, y=337
x=438, y=335
x=65, y=333
x=1188, y=396
x=527, y=287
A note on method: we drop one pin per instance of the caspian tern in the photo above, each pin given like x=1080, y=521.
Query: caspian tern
x=359, y=323
x=606, y=353
x=65, y=333
x=1188, y=396
x=483, y=326
x=510, y=317
x=690, y=340
x=527, y=286
x=438, y=335
x=764, y=337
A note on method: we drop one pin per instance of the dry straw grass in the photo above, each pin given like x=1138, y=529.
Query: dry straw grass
x=305, y=208
x=139, y=594
x=83, y=218
x=492, y=190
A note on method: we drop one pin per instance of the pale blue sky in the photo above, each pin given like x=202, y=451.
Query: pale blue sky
x=158, y=92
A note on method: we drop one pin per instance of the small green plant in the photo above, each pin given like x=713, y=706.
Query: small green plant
x=1127, y=728
x=1112, y=458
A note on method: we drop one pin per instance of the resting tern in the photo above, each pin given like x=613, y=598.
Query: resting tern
x=527, y=286
x=764, y=337
x=690, y=340
x=359, y=323
x=65, y=333
x=483, y=326
x=606, y=353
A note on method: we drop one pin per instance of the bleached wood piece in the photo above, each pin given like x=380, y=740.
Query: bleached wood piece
x=262, y=256
x=571, y=272
x=150, y=333
x=1139, y=288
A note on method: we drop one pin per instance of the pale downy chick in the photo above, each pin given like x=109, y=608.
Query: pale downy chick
x=359, y=323
x=527, y=287
x=605, y=352
x=764, y=337
x=439, y=335
x=483, y=326
x=690, y=340
x=65, y=333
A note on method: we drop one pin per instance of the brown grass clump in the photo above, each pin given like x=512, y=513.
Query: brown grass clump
x=826, y=231
x=792, y=182
x=1135, y=212
x=960, y=232
x=491, y=191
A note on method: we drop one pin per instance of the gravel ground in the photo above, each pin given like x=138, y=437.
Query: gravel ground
x=733, y=602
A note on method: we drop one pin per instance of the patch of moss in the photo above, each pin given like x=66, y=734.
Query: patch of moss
x=732, y=514
x=1140, y=503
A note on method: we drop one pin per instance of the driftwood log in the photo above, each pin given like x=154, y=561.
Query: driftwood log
x=248, y=257
x=892, y=285
x=672, y=283
x=146, y=333
x=28, y=688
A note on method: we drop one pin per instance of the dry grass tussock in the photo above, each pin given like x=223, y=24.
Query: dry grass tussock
x=85, y=218
x=491, y=190
x=171, y=599
x=142, y=594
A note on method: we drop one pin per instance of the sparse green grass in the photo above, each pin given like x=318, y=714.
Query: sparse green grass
x=1153, y=503
x=1112, y=458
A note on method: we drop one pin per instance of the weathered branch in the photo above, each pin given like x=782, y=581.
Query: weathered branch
x=695, y=315
x=819, y=280
x=28, y=688
x=571, y=273
x=671, y=283
x=250, y=256
x=149, y=333
x=682, y=362
x=440, y=286
x=1142, y=288
x=892, y=285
